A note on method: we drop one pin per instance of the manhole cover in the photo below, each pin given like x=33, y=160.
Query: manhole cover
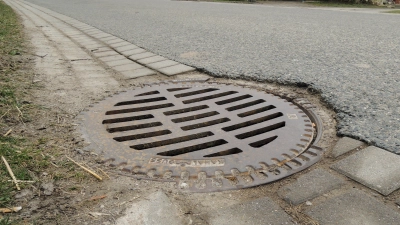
x=203, y=136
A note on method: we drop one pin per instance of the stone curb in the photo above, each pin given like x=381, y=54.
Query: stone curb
x=137, y=61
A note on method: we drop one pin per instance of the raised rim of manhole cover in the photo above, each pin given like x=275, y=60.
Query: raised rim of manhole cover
x=203, y=136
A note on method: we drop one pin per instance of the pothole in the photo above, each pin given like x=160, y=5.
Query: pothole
x=204, y=136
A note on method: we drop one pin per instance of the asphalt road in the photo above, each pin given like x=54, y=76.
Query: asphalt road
x=351, y=58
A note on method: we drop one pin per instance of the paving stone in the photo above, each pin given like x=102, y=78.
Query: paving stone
x=133, y=51
x=177, y=69
x=162, y=64
x=105, y=53
x=126, y=48
x=131, y=74
x=345, y=145
x=141, y=56
x=118, y=62
x=310, y=186
x=373, y=167
x=93, y=46
x=103, y=49
x=155, y=210
x=108, y=38
x=114, y=41
x=152, y=59
x=398, y=201
x=126, y=67
x=354, y=208
x=101, y=35
x=120, y=44
x=260, y=211
x=112, y=58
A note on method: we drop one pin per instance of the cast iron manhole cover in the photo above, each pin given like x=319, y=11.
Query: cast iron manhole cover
x=203, y=136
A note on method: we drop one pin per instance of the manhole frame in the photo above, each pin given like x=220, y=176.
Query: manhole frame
x=205, y=183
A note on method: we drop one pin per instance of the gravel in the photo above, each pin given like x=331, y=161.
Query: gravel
x=350, y=57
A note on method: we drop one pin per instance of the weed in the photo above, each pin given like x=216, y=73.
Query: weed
x=393, y=11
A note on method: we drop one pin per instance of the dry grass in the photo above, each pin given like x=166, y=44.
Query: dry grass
x=297, y=213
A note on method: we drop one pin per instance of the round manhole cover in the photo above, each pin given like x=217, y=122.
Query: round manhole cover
x=204, y=136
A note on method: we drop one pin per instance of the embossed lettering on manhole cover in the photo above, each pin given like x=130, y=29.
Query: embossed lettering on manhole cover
x=203, y=136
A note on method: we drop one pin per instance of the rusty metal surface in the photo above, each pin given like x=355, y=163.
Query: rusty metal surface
x=203, y=136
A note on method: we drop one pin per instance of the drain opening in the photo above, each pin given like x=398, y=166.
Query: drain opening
x=193, y=148
x=224, y=153
x=172, y=141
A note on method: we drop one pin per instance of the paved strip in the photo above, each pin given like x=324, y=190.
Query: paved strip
x=374, y=168
x=309, y=186
x=345, y=145
x=259, y=211
x=354, y=208
x=65, y=61
x=121, y=49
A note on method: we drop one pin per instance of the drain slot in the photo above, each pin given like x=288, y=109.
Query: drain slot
x=134, y=127
x=172, y=141
x=223, y=102
x=209, y=97
x=256, y=111
x=195, y=117
x=245, y=105
x=205, y=124
x=127, y=119
x=195, y=92
x=185, y=110
x=252, y=122
x=260, y=131
x=141, y=101
x=144, y=135
x=148, y=93
x=146, y=108
x=263, y=142
x=193, y=148
x=224, y=153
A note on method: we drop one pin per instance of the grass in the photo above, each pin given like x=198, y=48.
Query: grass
x=24, y=155
x=394, y=11
x=342, y=5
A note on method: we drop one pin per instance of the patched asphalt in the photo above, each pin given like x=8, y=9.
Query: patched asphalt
x=351, y=58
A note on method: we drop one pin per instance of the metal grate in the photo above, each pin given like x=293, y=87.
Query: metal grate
x=204, y=136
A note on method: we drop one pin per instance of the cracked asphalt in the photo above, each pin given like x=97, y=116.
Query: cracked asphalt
x=352, y=58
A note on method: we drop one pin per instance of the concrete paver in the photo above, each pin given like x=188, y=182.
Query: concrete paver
x=120, y=44
x=354, y=208
x=309, y=186
x=155, y=210
x=259, y=211
x=131, y=74
x=112, y=58
x=162, y=64
x=373, y=167
x=133, y=51
x=152, y=59
x=119, y=62
x=105, y=53
x=126, y=48
x=126, y=67
x=177, y=69
x=114, y=41
x=142, y=55
x=345, y=145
